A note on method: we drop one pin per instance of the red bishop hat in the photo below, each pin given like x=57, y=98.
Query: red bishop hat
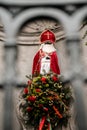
x=47, y=35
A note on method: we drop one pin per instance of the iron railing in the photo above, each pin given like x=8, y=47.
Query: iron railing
x=70, y=13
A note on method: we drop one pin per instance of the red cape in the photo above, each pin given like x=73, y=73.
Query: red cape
x=54, y=66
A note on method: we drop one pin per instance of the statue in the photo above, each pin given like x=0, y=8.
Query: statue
x=46, y=59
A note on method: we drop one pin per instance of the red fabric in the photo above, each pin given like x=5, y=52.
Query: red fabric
x=36, y=63
x=42, y=123
x=54, y=63
x=47, y=36
x=54, y=66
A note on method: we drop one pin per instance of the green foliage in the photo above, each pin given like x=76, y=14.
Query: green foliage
x=47, y=96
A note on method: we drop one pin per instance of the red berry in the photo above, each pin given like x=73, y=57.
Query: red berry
x=26, y=90
x=38, y=90
x=43, y=79
x=29, y=82
x=54, y=78
x=32, y=98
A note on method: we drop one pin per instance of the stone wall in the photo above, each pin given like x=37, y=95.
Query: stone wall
x=28, y=44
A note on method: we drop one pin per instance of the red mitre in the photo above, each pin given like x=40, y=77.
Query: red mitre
x=47, y=35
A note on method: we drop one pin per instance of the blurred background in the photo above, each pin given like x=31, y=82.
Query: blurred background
x=28, y=43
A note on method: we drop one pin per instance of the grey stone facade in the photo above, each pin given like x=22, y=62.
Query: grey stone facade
x=16, y=60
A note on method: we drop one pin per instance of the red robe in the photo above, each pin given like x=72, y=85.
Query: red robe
x=54, y=66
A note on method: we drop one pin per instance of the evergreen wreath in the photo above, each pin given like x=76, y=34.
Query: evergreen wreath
x=47, y=102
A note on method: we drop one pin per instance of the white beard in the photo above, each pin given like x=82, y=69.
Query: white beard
x=48, y=48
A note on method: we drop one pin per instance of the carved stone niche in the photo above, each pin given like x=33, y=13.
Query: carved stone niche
x=29, y=35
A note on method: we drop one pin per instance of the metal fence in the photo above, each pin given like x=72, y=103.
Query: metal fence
x=70, y=13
